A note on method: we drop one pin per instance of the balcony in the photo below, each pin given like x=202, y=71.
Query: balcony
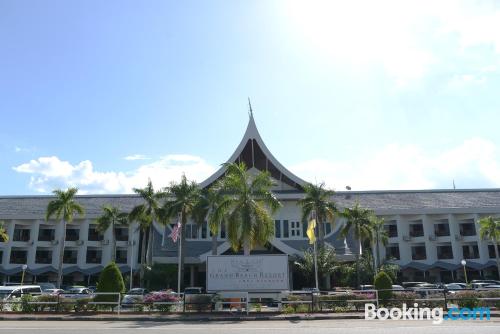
x=94, y=234
x=70, y=256
x=121, y=256
x=121, y=234
x=72, y=234
x=392, y=252
x=94, y=256
x=18, y=257
x=444, y=252
x=470, y=252
x=442, y=230
x=418, y=253
x=392, y=230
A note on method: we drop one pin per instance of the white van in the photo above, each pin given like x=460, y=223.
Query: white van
x=11, y=291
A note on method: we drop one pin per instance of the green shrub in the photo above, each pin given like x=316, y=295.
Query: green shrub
x=110, y=280
x=383, y=284
x=490, y=303
x=26, y=307
x=469, y=299
x=46, y=299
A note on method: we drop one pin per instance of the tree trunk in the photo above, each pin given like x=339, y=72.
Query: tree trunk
x=358, y=276
x=61, y=255
x=321, y=231
x=183, y=248
x=113, y=234
x=378, y=254
x=497, y=258
x=214, y=244
x=149, y=252
x=143, y=257
x=246, y=247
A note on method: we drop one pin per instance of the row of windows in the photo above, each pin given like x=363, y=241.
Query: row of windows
x=44, y=256
x=443, y=252
x=282, y=229
x=45, y=233
x=442, y=229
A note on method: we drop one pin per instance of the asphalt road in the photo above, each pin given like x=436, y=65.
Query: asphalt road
x=251, y=327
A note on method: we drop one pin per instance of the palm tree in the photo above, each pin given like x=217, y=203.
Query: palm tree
x=64, y=207
x=490, y=229
x=146, y=214
x=109, y=219
x=183, y=200
x=325, y=258
x=249, y=204
x=359, y=222
x=209, y=209
x=380, y=236
x=4, y=237
x=318, y=200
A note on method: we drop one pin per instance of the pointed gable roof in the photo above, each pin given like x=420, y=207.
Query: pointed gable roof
x=255, y=154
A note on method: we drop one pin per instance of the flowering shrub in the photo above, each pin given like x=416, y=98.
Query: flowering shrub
x=467, y=298
x=154, y=300
x=402, y=297
x=345, y=301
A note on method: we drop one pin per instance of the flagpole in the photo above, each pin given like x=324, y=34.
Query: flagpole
x=316, y=256
x=180, y=253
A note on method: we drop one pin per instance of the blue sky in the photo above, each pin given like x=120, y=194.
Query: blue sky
x=375, y=95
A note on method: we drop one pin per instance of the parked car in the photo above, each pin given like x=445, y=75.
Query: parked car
x=11, y=291
x=480, y=285
x=489, y=281
x=134, y=296
x=53, y=291
x=455, y=286
x=46, y=286
x=492, y=287
x=78, y=293
x=192, y=290
x=409, y=285
x=396, y=287
x=367, y=287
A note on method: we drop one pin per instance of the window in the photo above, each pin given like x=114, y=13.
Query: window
x=121, y=234
x=444, y=252
x=43, y=256
x=392, y=230
x=277, y=228
x=285, y=229
x=327, y=228
x=416, y=230
x=1, y=256
x=223, y=231
x=94, y=256
x=21, y=234
x=70, y=256
x=204, y=229
x=73, y=234
x=392, y=252
x=418, y=252
x=46, y=234
x=295, y=229
x=94, y=234
x=121, y=256
x=467, y=229
x=192, y=231
x=18, y=256
x=470, y=251
x=491, y=251
x=442, y=230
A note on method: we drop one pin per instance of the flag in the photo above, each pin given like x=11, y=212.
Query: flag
x=310, y=231
x=175, y=232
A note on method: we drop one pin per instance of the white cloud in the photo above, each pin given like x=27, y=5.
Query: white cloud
x=136, y=157
x=48, y=173
x=474, y=163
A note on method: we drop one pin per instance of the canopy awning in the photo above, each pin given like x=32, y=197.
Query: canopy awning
x=416, y=265
x=445, y=265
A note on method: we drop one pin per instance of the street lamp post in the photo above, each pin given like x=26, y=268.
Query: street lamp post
x=25, y=266
x=463, y=262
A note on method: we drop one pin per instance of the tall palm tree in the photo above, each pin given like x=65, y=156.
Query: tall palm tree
x=109, y=219
x=4, y=237
x=249, y=204
x=146, y=214
x=208, y=208
x=380, y=236
x=183, y=200
x=64, y=207
x=359, y=222
x=489, y=228
x=318, y=199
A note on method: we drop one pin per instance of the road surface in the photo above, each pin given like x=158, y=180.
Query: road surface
x=251, y=327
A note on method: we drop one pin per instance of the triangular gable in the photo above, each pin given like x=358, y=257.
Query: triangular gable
x=255, y=154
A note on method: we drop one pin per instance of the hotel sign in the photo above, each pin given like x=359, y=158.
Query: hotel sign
x=247, y=273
